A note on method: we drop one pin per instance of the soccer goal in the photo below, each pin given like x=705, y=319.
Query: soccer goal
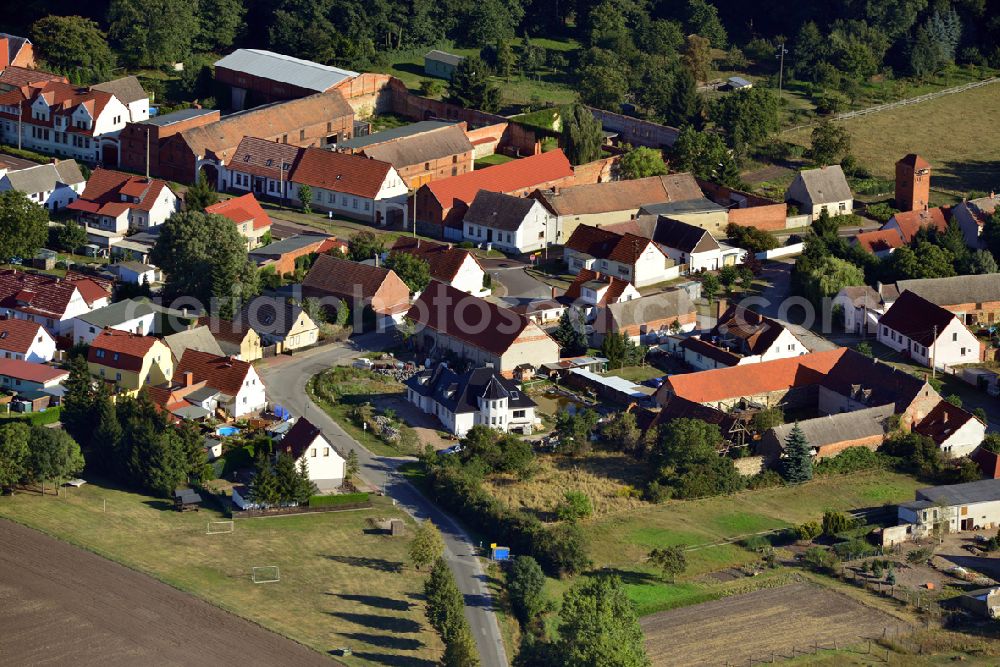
x=266, y=574
x=219, y=527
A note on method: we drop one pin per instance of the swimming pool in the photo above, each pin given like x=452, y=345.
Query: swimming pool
x=227, y=430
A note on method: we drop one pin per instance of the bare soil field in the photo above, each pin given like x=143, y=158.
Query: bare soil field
x=62, y=605
x=731, y=630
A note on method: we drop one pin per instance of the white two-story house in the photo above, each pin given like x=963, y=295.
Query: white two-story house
x=26, y=341
x=510, y=224
x=626, y=256
x=54, y=186
x=305, y=443
x=240, y=389
x=115, y=202
x=927, y=333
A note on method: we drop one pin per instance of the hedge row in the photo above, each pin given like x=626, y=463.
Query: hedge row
x=43, y=418
x=26, y=154
x=342, y=499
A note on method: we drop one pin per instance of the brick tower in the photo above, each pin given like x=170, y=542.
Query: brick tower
x=913, y=183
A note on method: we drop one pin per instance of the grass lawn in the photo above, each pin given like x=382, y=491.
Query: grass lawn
x=341, y=584
x=492, y=160
x=636, y=373
x=955, y=133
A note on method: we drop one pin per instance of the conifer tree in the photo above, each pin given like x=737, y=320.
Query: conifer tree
x=264, y=487
x=797, y=464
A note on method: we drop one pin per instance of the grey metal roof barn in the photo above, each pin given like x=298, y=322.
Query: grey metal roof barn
x=286, y=69
x=983, y=491
x=444, y=57
x=831, y=429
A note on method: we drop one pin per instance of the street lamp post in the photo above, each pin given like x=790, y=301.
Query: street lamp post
x=781, y=68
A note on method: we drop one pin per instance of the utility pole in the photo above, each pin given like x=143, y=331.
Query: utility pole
x=147, y=152
x=934, y=354
x=781, y=68
x=20, y=111
x=415, y=213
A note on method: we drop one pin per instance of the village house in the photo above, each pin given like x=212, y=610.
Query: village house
x=441, y=63
x=318, y=120
x=821, y=189
x=16, y=51
x=952, y=508
x=540, y=311
x=282, y=255
x=129, y=92
x=593, y=289
x=262, y=168
x=240, y=389
x=908, y=223
x=599, y=204
x=690, y=246
x=955, y=431
x=140, y=141
x=19, y=376
x=830, y=434
x=117, y=202
x=752, y=337
x=22, y=77
x=880, y=242
x=510, y=224
x=421, y=152
x=478, y=396
x=254, y=77
x=280, y=322
x=452, y=266
x=138, y=316
x=198, y=338
x=927, y=333
x=700, y=212
x=644, y=319
x=633, y=258
x=236, y=338
x=54, y=185
x=441, y=205
x=448, y=322
x=135, y=273
x=305, y=443
x=971, y=216
x=26, y=341
x=49, y=301
x=129, y=361
x=250, y=219
x=376, y=296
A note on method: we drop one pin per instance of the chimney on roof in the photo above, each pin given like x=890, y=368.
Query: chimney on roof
x=944, y=420
x=188, y=378
x=554, y=291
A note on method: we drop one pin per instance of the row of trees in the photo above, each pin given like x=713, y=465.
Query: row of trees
x=36, y=455
x=129, y=439
x=281, y=482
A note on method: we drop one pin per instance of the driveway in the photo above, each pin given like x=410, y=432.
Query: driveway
x=518, y=285
x=286, y=379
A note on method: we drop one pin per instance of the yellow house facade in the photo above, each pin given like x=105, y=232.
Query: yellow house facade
x=130, y=361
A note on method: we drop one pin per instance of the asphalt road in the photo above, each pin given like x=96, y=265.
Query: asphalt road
x=286, y=378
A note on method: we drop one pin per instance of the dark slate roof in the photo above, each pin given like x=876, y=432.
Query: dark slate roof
x=499, y=211
x=299, y=438
x=459, y=393
x=915, y=317
x=747, y=330
x=985, y=490
x=176, y=117
x=682, y=236
x=840, y=427
x=699, y=205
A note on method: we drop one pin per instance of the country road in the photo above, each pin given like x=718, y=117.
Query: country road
x=286, y=378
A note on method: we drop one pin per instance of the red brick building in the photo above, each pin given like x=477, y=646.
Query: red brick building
x=16, y=51
x=254, y=77
x=913, y=183
x=136, y=137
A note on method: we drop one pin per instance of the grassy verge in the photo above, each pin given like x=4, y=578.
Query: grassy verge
x=342, y=584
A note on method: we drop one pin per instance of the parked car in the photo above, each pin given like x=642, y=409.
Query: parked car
x=363, y=363
x=454, y=449
x=655, y=383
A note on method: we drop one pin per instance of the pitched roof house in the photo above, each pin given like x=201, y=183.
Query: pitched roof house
x=645, y=317
x=114, y=201
x=478, y=396
x=198, y=338
x=255, y=77
x=595, y=289
x=129, y=361
x=282, y=255
x=49, y=301
x=509, y=223
x=955, y=431
x=627, y=256
x=53, y=185
x=831, y=434
x=927, y=333
x=972, y=215
x=25, y=340
x=304, y=442
x=910, y=222
x=453, y=266
x=280, y=322
x=16, y=51
x=824, y=188
x=241, y=389
x=448, y=321
x=236, y=338
x=250, y=219
x=18, y=376
x=441, y=205
x=690, y=244
x=880, y=242
x=362, y=286
x=422, y=157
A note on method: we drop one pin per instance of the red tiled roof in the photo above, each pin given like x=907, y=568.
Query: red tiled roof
x=444, y=261
x=942, y=421
x=25, y=370
x=264, y=158
x=914, y=161
x=62, y=98
x=21, y=76
x=508, y=177
x=910, y=222
x=105, y=188
x=603, y=244
x=879, y=240
x=46, y=296
x=122, y=350
x=19, y=335
x=616, y=286
x=242, y=209
x=475, y=321
x=225, y=374
x=340, y=172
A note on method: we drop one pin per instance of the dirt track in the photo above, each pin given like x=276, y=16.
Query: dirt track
x=731, y=630
x=60, y=605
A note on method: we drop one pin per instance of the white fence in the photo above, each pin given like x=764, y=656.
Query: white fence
x=784, y=251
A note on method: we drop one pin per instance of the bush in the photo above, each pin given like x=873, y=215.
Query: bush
x=808, y=531
x=837, y=522
x=756, y=543
x=819, y=559
x=766, y=479
x=342, y=499
x=575, y=505
x=852, y=459
x=881, y=211
x=854, y=549
x=919, y=556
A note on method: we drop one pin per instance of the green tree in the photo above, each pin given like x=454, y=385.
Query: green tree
x=365, y=245
x=923, y=260
x=460, y=649
x=697, y=57
x=620, y=350
x=748, y=117
x=705, y=155
x=574, y=430
x=470, y=86
x=603, y=80
x=570, y=333
x=444, y=605
x=413, y=270
x=305, y=198
x=830, y=142
x=489, y=21
x=982, y=262
x=201, y=195
x=598, y=626
x=153, y=33
x=54, y=455
x=525, y=586
x=796, y=465
x=642, y=162
x=830, y=275
x=427, y=545
x=703, y=19
x=865, y=348
x=685, y=105
x=14, y=454
x=287, y=477
x=106, y=439
x=582, y=135
x=220, y=23
x=505, y=59
x=24, y=225
x=532, y=57
x=204, y=256
x=78, y=400
x=264, y=485
x=710, y=286
x=71, y=236
x=73, y=44
x=304, y=487
x=670, y=560
x=622, y=433
x=575, y=505
x=352, y=466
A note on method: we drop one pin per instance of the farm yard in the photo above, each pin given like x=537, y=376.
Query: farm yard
x=756, y=625
x=955, y=133
x=342, y=583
